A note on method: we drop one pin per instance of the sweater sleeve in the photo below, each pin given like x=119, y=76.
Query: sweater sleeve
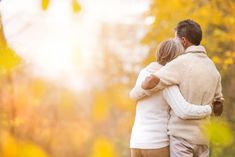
x=218, y=92
x=182, y=108
x=137, y=92
x=169, y=75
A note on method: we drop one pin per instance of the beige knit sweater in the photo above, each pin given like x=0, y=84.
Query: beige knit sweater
x=199, y=82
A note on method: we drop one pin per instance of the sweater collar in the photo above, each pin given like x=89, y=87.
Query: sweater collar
x=195, y=48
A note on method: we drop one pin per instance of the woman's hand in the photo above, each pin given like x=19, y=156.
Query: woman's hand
x=150, y=82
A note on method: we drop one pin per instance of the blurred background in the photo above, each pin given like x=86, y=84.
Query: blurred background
x=67, y=66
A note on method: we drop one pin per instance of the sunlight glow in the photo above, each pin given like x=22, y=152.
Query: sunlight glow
x=59, y=43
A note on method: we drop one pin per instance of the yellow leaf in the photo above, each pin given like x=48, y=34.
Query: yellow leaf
x=45, y=4
x=30, y=150
x=12, y=147
x=76, y=6
x=9, y=145
x=216, y=59
x=228, y=61
x=103, y=148
x=8, y=59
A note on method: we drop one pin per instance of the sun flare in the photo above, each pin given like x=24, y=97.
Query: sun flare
x=58, y=42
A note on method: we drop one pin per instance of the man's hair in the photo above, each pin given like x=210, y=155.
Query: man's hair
x=169, y=50
x=191, y=30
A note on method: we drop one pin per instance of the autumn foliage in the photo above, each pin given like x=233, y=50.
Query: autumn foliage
x=39, y=118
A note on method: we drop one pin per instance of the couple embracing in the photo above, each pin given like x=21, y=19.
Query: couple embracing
x=175, y=97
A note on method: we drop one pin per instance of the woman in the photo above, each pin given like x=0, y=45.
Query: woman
x=149, y=134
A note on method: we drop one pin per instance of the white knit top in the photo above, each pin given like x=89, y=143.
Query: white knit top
x=152, y=113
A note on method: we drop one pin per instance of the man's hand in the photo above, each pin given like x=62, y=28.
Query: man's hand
x=217, y=108
x=150, y=82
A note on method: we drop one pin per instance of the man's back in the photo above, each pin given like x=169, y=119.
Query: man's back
x=198, y=82
x=200, y=78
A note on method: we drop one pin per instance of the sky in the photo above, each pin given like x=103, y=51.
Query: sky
x=57, y=43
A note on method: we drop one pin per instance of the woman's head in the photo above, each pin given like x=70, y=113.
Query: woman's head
x=169, y=50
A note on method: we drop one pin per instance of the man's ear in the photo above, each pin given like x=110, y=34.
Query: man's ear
x=184, y=41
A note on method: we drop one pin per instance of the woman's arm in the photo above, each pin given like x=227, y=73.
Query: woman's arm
x=137, y=92
x=182, y=108
x=168, y=75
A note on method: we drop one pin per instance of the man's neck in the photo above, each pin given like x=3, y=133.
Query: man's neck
x=188, y=45
x=195, y=48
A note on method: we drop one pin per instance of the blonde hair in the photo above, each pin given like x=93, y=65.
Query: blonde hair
x=169, y=50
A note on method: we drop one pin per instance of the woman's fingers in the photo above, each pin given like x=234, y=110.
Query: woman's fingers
x=150, y=82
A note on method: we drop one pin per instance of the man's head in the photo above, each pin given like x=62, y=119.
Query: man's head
x=189, y=32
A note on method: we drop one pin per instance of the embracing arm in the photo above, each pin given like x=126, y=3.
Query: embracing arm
x=182, y=108
x=169, y=75
x=137, y=92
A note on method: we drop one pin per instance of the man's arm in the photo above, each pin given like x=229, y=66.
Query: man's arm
x=218, y=100
x=168, y=75
x=182, y=108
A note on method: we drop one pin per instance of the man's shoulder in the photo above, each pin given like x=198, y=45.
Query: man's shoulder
x=213, y=66
x=182, y=59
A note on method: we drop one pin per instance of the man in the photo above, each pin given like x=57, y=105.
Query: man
x=199, y=82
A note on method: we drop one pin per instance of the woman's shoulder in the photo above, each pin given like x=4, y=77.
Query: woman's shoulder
x=154, y=66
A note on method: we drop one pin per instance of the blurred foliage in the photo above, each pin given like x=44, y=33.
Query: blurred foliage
x=103, y=148
x=76, y=6
x=215, y=17
x=219, y=133
x=40, y=119
x=8, y=58
x=45, y=4
x=15, y=148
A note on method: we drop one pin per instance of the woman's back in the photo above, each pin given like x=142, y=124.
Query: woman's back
x=152, y=114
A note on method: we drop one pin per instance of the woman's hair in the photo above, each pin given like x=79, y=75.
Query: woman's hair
x=169, y=50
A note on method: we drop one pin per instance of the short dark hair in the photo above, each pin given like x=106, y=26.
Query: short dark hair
x=190, y=30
